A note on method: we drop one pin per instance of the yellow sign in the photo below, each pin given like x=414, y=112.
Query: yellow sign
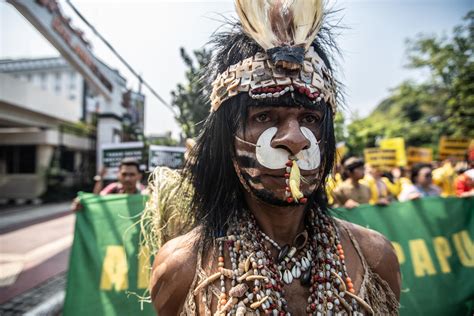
x=341, y=151
x=382, y=159
x=453, y=147
x=397, y=143
x=419, y=155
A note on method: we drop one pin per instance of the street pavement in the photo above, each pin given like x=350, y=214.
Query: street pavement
x=35, y=243
x=20, y=216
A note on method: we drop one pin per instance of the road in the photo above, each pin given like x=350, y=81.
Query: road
x=34, y=249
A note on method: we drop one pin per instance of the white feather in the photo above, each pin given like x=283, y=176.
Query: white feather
x=295, y=22
x=307, y=20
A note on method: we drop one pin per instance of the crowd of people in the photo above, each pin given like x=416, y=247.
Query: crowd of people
x=360, y=183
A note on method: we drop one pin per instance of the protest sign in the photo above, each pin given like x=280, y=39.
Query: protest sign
x=341, y=151
x=383, y=159
x=454, y=147
x=166, y=156
x=433, y=239
x=112, y=154
x=397, y=143
x=419, y=155
x=107, y=267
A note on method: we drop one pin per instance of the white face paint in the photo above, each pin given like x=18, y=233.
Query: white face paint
x=276, y=158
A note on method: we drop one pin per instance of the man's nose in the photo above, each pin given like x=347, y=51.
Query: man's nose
x=290, y=137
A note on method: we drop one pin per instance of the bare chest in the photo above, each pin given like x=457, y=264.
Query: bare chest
x=297, y=298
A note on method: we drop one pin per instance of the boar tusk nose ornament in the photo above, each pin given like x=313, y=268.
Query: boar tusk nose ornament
x=293, y=182
x=276, y=158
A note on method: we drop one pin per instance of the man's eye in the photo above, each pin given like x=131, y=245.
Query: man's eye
x=310, y=119
x=262, y=118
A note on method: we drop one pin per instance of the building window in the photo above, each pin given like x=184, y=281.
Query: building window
x=72, y=97
x=43, y=82
x=19, y=159
x=72, y=80
x=57, y=82
x=67, y=160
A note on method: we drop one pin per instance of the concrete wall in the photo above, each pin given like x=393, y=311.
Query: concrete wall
x=27, y=186
x=27, y=96
x=30, y=186
x=47, y=137
x=63, y=82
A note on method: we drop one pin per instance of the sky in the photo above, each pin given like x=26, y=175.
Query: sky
x=149, y=34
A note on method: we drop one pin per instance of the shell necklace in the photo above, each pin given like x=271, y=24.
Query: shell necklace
x=293, y=262
x=257, y=278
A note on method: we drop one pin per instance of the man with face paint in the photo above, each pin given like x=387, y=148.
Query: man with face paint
x=264, y=242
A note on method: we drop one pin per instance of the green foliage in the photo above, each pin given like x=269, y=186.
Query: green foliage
x=340, y=127
x=189, y=98
x=80, y=128
x=163, y=141
x=441, y=105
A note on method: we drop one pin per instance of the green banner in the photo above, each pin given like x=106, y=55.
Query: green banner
x=433, y=240
x=107, y=268
x=432, y=237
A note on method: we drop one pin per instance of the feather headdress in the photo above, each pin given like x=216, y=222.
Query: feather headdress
x=284, y=28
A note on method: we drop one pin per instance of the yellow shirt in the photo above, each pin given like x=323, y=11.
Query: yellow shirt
x=331, y=184
x=378, y=189
x=346, y=190
x=444, y=178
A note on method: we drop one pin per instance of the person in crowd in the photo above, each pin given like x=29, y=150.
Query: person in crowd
x=397, y=180
x=265, y=242
x=351, y=193
x=422, y=184
x=334, y=180
x=129, y=177
x=464, y=182
x=444, y=177
x=379, y=191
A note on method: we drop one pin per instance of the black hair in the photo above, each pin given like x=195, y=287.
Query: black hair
x=354, y=165
x=130, y=162
x=218, y=193
x=415, y=170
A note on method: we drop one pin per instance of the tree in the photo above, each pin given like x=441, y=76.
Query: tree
x=450, y=62
x=340, y=127
x=190, y=98
x=441, y=105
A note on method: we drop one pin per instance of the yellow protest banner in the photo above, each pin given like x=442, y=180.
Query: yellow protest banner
x=419, y=155
x=382, y=159
x=453, y=147
x=397, y=143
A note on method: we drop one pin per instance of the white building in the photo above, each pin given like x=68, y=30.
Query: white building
x=44, y=104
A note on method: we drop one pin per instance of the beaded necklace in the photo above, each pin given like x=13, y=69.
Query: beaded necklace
x=257, y=277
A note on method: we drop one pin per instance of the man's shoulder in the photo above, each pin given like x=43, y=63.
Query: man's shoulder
x=378, y=253
x=435, y=189
x=364, y=187
x=370, y=241
x=173, y=272
x=110, y=188
x=343, y=186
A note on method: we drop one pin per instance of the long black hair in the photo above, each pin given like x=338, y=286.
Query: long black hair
x=218, y=193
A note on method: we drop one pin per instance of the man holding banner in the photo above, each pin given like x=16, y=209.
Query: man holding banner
x=129, y=176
